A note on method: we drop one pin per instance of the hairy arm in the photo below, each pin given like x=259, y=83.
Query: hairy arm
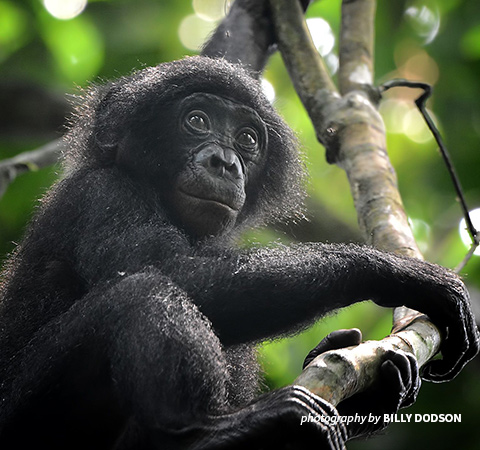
x=276, y=291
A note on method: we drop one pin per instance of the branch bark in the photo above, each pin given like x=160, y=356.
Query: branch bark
x=353, y=132
x=39, y=158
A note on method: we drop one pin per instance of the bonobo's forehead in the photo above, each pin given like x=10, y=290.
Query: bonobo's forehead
x=220, y=105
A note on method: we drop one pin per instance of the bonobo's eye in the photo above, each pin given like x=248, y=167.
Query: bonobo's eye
x=247, y=139
x=197, y=121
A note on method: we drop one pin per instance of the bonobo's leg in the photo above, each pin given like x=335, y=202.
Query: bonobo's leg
x=137, y=351
x=168, y=365
x=173, y=370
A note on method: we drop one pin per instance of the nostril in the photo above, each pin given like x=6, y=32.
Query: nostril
x=232, y=168
x=220, y=161
x=216, y=162
x=232, y=162
x=217, y=165
x=224, y=163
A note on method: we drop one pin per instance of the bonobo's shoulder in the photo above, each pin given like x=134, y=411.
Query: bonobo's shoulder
x=89, y=197
x=85, y=188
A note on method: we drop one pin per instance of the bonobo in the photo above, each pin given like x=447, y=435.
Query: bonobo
x=128, y=320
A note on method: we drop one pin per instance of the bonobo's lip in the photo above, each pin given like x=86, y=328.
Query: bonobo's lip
x=209, y=200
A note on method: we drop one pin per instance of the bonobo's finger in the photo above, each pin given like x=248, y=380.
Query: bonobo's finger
x=461, y=342
x=457, y=350
x=415, y=382
x=336, y=339
x=402, y=364
x=401, y=379
x=393, y=386
x=335, y=433
x=340, y=339
x=454, y=348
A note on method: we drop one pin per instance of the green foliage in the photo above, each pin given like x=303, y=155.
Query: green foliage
x=470, y=43
x=13, y=29
x=76, y=46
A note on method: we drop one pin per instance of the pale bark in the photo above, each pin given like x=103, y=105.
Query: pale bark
x=352, y=130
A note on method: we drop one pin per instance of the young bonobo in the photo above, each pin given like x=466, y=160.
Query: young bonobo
x=128, y=320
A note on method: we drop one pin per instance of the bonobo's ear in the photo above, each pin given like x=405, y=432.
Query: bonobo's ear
x=107, y=119
x=98, y=120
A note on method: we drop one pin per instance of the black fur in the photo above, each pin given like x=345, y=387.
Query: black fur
x=120, y=328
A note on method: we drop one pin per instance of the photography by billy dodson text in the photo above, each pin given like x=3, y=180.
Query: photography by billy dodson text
x=387, y=418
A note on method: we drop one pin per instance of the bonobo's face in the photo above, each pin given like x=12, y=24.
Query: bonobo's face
x=225, y=144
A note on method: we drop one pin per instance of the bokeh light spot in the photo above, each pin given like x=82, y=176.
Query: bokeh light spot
x=65, y=9
x=322, y=35
x=268, y=90
x=393, y=112
x=422, y=231
x=462, y=229
x=210, y=10
x=193, y=32
x=424, y=21
x=414, y=126
x=421, y=66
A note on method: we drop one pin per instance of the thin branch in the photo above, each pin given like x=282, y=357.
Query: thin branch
x=306, y=67
x=27, y=162
x=467, y=258
x=421, y=103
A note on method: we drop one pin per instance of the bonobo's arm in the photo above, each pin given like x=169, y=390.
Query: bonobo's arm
x=246, y=35
x=274, y=291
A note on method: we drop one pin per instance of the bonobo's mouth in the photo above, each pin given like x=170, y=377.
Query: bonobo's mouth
x=201, y=216
x=211, y=201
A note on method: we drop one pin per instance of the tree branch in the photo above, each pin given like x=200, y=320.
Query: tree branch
x=357, y=37
x=353, y=133
x=28, y=161
x=306, y=67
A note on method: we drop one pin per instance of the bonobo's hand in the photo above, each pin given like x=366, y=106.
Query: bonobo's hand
x=397, y=386
x=441, y=294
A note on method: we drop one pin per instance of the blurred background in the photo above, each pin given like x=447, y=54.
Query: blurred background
x=50, y=48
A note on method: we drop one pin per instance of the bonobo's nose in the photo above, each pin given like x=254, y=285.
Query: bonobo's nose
x=220, y=161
